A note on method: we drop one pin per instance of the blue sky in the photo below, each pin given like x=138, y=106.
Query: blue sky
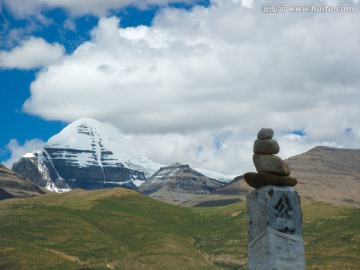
x=15, y=83
x=186, y=81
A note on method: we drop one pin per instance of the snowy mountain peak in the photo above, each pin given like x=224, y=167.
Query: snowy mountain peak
x=76, y=135
x=87, y=154
x=101, y=144
x=81, y=134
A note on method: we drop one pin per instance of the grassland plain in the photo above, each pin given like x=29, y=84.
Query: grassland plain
x=121, y=229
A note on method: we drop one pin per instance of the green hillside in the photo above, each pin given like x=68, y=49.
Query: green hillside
x=120, y=229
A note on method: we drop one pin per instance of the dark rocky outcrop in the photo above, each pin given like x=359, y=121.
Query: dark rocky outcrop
x=28, y=168
x=13, y=185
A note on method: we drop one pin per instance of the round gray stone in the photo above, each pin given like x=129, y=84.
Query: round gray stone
x=270, y=164
x=269, y=146
x=265, y=133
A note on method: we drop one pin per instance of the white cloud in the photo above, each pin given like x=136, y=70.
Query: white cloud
x=32, y=53
x=197, y=73
x=17, y=150
x=234, y=156
x=199, y=150
x=81, y=7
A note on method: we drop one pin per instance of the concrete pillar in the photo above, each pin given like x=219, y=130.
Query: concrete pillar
x=275, y=229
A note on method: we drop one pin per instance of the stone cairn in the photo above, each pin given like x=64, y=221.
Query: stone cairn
x=271, y=169
x=274, y=211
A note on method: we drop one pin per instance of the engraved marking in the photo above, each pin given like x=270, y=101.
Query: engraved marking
x=284, y=216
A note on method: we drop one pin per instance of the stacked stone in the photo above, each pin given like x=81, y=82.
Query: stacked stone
x=272, y=170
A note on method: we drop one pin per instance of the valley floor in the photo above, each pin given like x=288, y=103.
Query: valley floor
x=121, y=229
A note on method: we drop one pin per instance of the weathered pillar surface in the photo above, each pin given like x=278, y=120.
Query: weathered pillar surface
x=275, y=229
x=274, y=211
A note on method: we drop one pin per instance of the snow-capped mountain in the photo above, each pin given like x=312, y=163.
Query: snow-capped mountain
x=86, y=154
x=89, y=154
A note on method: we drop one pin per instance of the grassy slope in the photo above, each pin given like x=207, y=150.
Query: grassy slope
x=119, y=229
x=332, y=236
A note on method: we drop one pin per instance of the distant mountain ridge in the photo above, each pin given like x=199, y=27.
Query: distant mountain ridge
x=88, y=154
x=328, y=174
x=325, y=174
x=178, y=183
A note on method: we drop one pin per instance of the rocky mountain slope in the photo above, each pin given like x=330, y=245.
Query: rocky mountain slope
x=237, y=186
x=86, y=154
x=13, y=185
x=325, y=174
x=178, y=183
x=328, y=174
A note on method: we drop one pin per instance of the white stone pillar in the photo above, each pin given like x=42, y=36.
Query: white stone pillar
x=275, y=229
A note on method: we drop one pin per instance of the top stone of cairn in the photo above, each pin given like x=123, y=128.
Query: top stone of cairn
x=265, y=134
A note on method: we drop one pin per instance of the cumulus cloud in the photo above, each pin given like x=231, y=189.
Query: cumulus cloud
x=81, y=7
x=231, y=155
x=227, y=151
x=198, y=73
x=17, y=150
x=32, y=53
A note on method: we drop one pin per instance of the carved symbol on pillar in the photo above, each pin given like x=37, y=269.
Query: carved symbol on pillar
x=284, y=216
